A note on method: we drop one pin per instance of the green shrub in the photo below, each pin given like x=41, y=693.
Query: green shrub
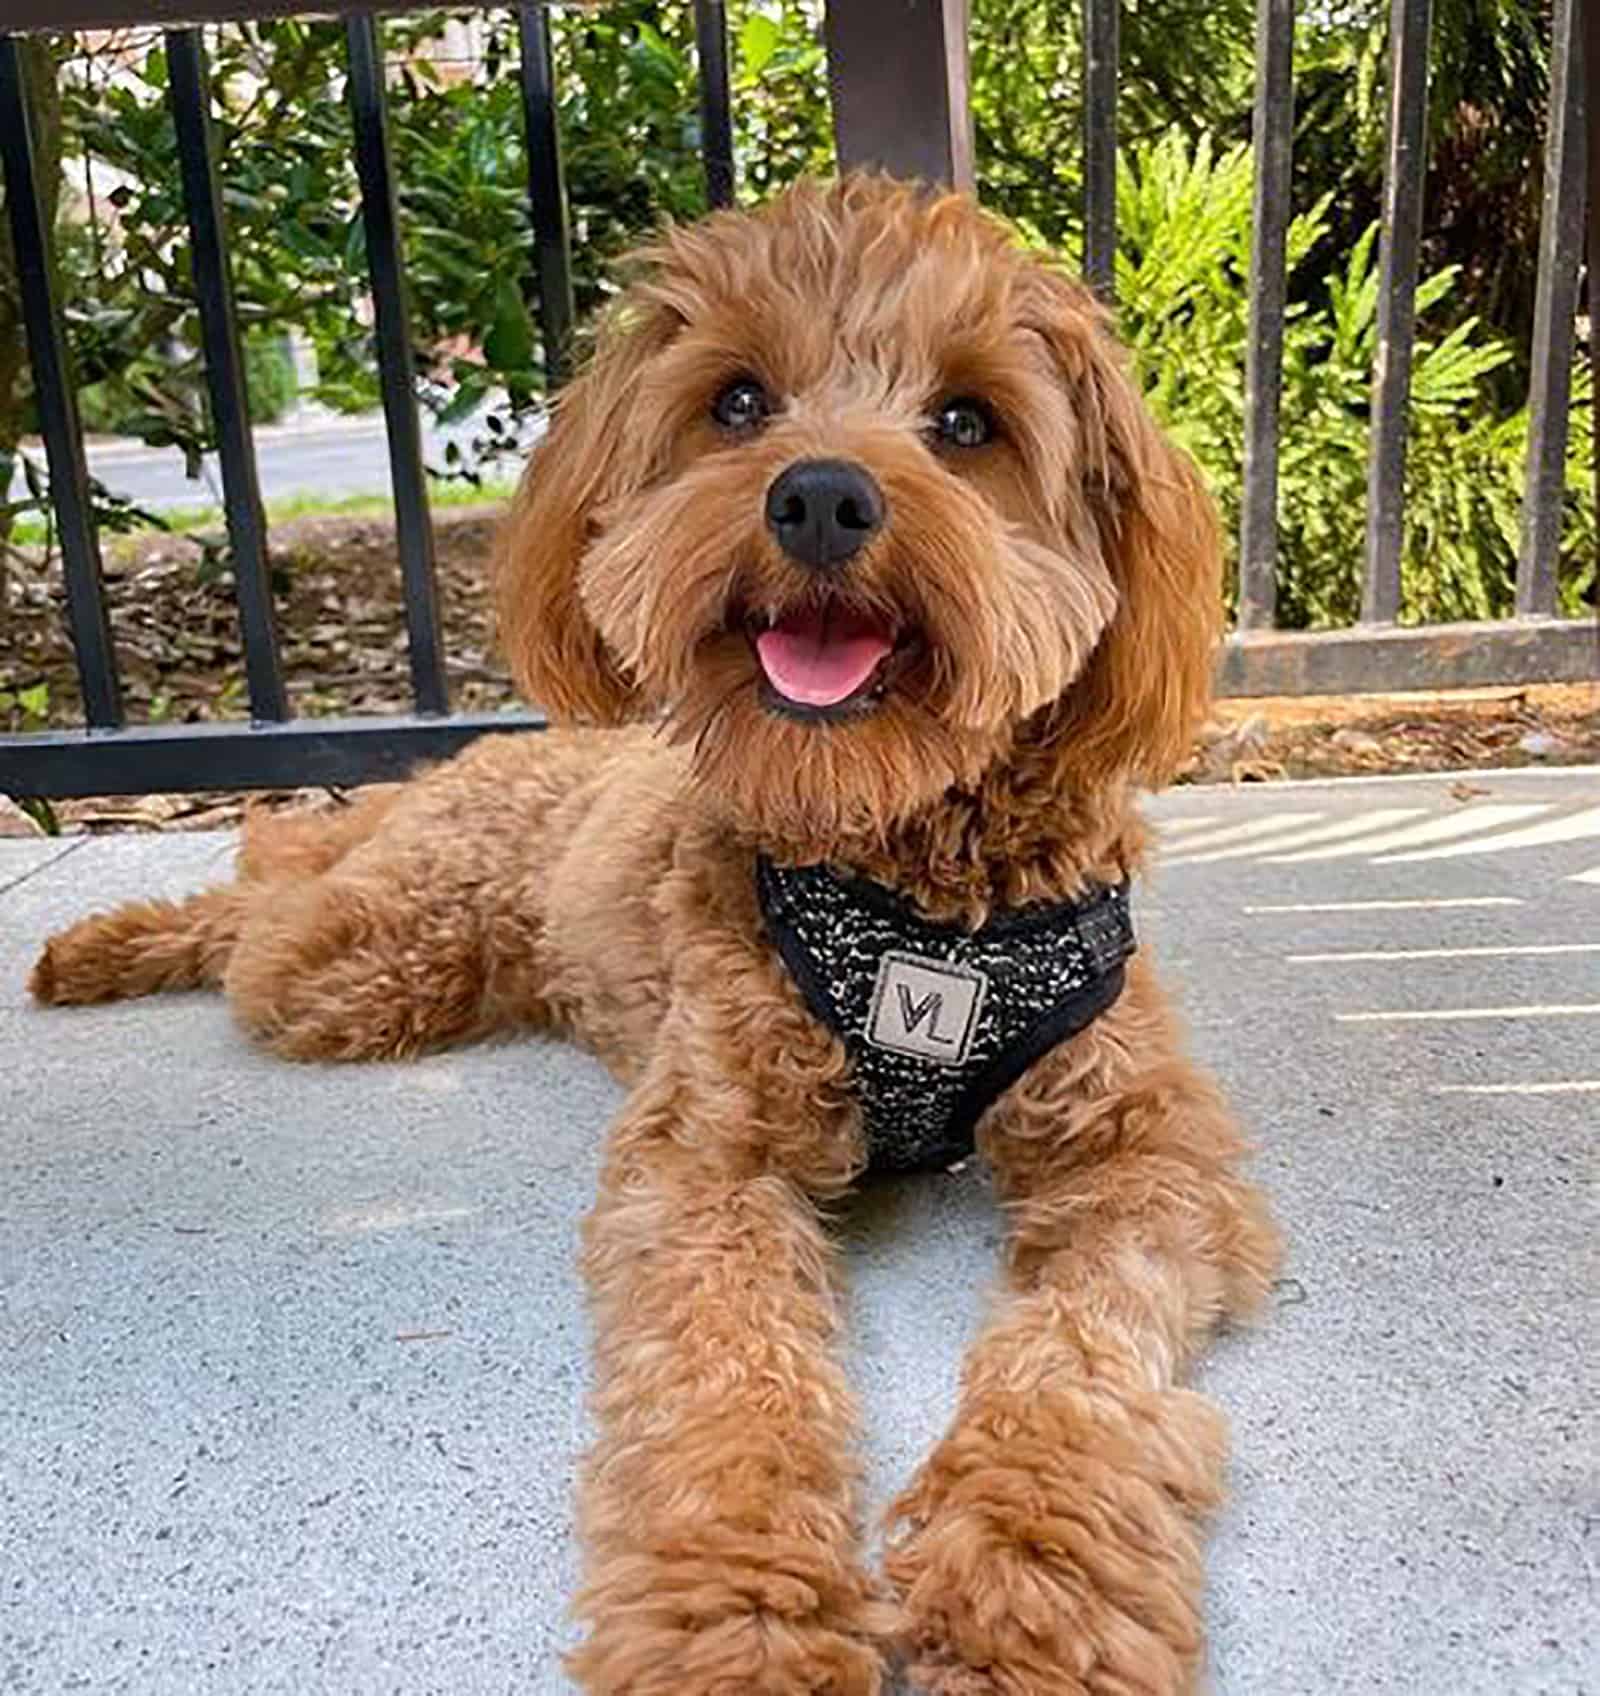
x=1182, y=290
x=120, y=404
x=270, y=377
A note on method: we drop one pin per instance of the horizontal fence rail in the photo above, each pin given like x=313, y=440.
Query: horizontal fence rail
x=898, y=79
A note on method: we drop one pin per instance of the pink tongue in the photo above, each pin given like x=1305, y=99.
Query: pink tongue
x=819, y=658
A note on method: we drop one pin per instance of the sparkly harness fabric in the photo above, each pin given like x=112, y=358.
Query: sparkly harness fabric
x=937, y=1019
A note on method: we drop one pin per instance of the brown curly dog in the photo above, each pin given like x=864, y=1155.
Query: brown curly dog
x=856, y=508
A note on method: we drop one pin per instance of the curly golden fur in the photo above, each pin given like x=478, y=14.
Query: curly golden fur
x=1047, y=599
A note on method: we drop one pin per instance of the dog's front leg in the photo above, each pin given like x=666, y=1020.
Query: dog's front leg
x=1051, y=1544
x=717, y=1513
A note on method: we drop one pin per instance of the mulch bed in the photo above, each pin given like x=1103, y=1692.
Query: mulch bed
x=342, y=627
x=1357, y=736
x=340, y=612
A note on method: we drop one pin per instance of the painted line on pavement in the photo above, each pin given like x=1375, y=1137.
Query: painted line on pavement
x=1552, y=1010
x=1575, y=1086
x=1569, y=828
x=1319, y=833
x=1464, y=823
x=1387, y=906
x=1446, y=953
x=1271, y=825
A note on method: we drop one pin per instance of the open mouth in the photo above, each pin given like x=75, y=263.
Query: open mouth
x=823, y=660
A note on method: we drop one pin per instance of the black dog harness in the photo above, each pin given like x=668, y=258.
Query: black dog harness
x=937, y=1019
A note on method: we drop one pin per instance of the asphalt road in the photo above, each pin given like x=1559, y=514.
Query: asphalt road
x=328, y=458
x=293, y=1357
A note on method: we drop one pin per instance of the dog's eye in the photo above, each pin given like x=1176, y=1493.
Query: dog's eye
x=964, y=423
x=742, y=405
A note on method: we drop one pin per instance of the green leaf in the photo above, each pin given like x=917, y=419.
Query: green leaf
x=758, y=41
x=509, y=343
x=467, y=399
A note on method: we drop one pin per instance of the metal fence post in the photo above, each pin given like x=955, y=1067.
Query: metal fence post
x=190, y=94
x=716, y=109
x=1100, y=56
x=1405, y=166
x=57, y=396
x=1555, y=306
x=1591, y=79
x=385, y=265
x=547, y=192
x=898, y=78
x=1272, y=139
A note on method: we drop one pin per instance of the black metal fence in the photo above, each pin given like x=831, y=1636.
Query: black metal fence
x=897, y=73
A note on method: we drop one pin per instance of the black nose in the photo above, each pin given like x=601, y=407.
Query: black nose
x=823, y=510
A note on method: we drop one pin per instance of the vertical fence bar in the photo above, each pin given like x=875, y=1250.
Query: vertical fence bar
x=1555, y=307
x=1272, y=137
x=547, y=192
x=716, y=106
x=56, y=397
x=1405, y=165
x=1591, y=78
x=190, y=95
x=898, y=83
x=385, y=267
x=1101, y=50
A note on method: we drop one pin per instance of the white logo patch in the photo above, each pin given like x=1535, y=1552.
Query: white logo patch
x=926, y=1008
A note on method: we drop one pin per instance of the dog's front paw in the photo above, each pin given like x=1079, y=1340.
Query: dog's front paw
x=1051, y=1546
x=737, y=1622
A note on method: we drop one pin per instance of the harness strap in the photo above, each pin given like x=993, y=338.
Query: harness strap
x=938, y=1020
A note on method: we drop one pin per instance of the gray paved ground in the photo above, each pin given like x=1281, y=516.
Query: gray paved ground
x=292, y=1361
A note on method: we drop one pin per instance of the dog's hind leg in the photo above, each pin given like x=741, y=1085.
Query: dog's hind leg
x=410, y=919
x=304, y=843
x=149, y=946
x=428, y=930
x=146, y=947
x=141, y=948
x=381, y=959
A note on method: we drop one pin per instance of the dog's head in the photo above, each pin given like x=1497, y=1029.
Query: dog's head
x=855, y=493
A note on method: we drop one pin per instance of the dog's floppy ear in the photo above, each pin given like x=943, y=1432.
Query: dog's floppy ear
x=588, y=455
x=1144, y=693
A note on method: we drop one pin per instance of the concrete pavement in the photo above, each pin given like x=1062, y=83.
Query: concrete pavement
x=293, y=1358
